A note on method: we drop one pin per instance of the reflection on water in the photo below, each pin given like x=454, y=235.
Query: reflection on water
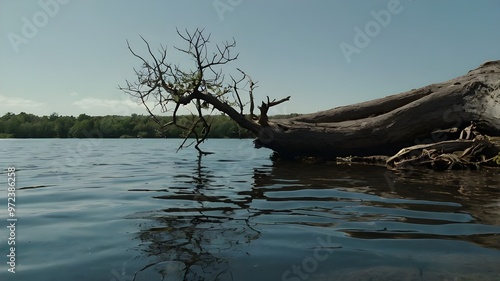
x=127, y=210
x=213, y=225
x=191, y=237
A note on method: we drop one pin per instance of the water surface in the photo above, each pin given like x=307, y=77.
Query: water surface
x=136, y=210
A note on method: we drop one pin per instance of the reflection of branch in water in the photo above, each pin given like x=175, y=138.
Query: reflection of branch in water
x=210, y=223
x=448, y=193
x=476, y=192
x=196, y=239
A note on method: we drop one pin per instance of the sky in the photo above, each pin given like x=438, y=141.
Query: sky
x=70, y=56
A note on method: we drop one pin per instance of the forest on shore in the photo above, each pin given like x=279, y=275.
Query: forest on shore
x=25, y=125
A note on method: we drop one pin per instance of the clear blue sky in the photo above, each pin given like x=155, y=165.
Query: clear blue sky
x=76, y=55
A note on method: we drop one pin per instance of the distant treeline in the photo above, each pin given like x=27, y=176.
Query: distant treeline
x=24, y=125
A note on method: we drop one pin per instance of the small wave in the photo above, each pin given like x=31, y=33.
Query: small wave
x=35, y=186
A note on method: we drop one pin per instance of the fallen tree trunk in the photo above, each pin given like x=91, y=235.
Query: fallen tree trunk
x=462, y=108
x=384, y=126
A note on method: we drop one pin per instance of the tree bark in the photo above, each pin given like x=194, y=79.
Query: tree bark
x=463, y=108
x=434, y=113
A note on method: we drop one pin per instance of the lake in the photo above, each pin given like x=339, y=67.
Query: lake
x=134, y=209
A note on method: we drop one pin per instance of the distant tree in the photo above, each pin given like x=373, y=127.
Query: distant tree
x=7, y=116
x=83, y=129
x=12, y=125
x=62, y=125
x=82, y=117
x=56, y=126
x=25, y=130
x=43, y=128
x=54, y=116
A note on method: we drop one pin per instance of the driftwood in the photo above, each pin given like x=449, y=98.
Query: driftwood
x=428, y=126
x=384, y=126
x=435, y=114
x=454, y=154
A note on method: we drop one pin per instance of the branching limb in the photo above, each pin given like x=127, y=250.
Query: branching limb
x=237, y=94
x=264, y=108
x=166, y=87
x=250, y=93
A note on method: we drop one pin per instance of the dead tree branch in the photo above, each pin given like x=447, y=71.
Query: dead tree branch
x=166, y=87
x=434, y=113
x=250, y=93
x=264, y=108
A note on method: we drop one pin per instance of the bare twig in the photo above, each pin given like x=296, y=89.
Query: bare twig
x=250, y=93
